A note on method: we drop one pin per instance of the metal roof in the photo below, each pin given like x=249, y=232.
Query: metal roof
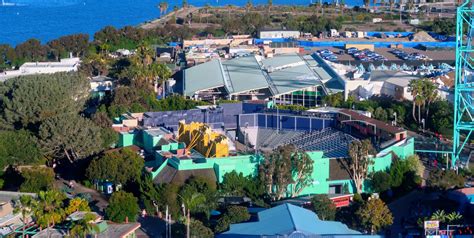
x=243, y=74
x=292, y=79
x=282, y=74
x=202, y=77
x=288, y=219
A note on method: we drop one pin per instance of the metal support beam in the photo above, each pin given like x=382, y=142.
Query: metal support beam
x=464, y=81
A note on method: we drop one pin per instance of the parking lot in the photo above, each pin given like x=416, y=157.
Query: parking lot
x=431, y=56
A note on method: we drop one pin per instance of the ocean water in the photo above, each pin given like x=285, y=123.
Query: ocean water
x=48, y=19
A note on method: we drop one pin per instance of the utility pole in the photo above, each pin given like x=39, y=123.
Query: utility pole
x=188, y=232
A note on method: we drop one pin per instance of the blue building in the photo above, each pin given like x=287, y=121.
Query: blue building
x=288, y=220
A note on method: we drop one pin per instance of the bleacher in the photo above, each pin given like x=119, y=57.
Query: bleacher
x=271, y=138
x=334, y=143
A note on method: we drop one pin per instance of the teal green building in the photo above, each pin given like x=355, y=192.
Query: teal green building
x=171, y=161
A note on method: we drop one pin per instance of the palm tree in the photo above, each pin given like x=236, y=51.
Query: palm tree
x=185, y=4
x=342, y=5
x=429, y=93
x=367, y=3
x=85, y=226
x=196, y=202
x=229, y=9
x=391, y=3
x=374, y=2
x=410, y=5
x=248, y=6
x=207, y=7
x=415, y=87
x=163, y=6
x=24, y=206
x=48, y=209
x=269, y=5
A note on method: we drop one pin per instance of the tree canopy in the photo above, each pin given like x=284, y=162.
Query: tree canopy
x=122, y=206
x=375, y=215
x=18, y=148
x=120, y=166
x=359, y=161
x=286, y=172
x=28, y=101
x=323, y=207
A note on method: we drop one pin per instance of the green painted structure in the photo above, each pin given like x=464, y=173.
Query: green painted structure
x=247, y=164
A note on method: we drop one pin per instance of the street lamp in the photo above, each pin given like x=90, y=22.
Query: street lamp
x=423, y=122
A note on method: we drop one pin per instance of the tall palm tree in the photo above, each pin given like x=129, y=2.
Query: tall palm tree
x=24, y=206
x=229, y=9
x=207, y=7
x=195, y=202
x=248, y=6
x=163, y=6
x=415, y=87
x=391, y=3
x=270, y=5
x=430, y=94
x=185, y=4
x=367, y=3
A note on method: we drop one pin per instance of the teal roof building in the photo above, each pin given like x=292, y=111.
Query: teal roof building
x=289, y=78
x=288, y=220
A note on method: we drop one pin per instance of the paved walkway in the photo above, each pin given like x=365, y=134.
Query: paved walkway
x=98, y=199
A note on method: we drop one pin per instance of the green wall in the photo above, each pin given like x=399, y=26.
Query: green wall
x=248, y=165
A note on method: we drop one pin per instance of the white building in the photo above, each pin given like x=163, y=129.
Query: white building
x=389, y=83
x=272, y=34
x=30, y=68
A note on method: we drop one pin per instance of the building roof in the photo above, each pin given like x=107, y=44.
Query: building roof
x=281, y=74
x=379, y=124
x=285, y=220
x=243, y=74
x=171, y=175
x=398, y=78
x=202, y=77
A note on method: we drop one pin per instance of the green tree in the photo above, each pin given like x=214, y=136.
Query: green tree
x=323, y=207
x=18, y=147
x=37, y=179
x=236, y=184
x=163, y=6
x=48, y=209
x=77, y=205
x=360, y=158
x=415, y=165
x=380, y=181
x=120, y=166
x=30, y=100
x=380, y=114
x=286, y=172
x=85, y=226
x=199, y=195
x=234, y=214
x=122, y=206
x=334, y=100
x=375, y=215
x=196, y=229
x=248, y=6
x=24, y=206
x=444, y=180
x=70, y=135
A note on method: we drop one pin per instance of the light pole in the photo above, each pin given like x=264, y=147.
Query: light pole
x=423, y=122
